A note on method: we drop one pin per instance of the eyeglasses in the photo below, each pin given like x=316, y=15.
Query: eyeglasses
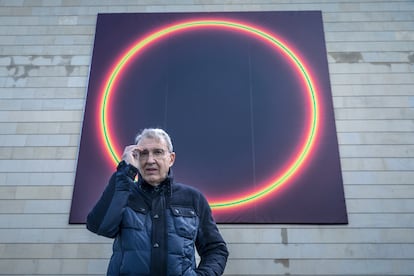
x=156, y=154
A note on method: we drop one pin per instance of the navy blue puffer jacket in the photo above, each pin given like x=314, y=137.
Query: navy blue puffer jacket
x=156, y=229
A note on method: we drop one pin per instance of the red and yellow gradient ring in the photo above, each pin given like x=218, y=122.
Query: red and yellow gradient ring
x=307, y=143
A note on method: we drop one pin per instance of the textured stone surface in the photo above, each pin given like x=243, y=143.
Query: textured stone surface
x=45, y=53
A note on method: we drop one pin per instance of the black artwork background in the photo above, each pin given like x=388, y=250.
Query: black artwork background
x=234, y=106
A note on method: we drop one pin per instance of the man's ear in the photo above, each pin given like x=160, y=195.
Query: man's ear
x=172, y=158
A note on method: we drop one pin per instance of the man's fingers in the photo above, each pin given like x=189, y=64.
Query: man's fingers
x=131, y=154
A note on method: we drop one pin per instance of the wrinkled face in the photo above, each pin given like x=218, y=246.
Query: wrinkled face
x=155, y=160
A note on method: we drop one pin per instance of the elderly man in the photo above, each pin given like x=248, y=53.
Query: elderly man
x=157, y=223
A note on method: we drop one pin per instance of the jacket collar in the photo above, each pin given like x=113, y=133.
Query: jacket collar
x=164, y=186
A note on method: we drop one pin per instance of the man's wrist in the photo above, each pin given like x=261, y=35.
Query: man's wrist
x=128, y=169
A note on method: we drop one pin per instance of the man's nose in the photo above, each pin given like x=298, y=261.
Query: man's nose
x=151, y=158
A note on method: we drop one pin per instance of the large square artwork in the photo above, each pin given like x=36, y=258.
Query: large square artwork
x=246, y=98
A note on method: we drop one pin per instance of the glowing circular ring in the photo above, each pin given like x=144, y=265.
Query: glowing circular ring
x=300, y=157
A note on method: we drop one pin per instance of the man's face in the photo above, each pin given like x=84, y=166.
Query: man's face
x=154, y=160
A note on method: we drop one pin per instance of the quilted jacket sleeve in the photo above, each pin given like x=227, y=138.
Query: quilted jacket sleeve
x=106, y=216
x=210, y=244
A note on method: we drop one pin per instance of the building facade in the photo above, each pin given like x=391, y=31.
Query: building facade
x=45, y=54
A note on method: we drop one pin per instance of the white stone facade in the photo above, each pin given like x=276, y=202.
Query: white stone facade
x=45, y=53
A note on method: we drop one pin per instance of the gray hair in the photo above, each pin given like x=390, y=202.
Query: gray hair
x=157, y=134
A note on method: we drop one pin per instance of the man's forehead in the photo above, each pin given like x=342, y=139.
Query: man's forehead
x=152, y=143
